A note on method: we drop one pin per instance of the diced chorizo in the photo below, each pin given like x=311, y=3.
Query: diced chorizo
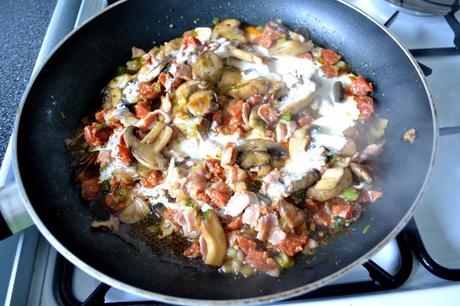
x=124, y=153
x=359, y=87
x=154, y=178
x=341, y=210
x=330, y=57
x=219, y=194
x=272, y=32
x=141, y=110
x=260, y=261
x=330, y=71
x=229, y=154
x=245, y=244
x=96, y=135
x=292, y=245
x=193, y=251
x=235, y=223
x=90, y=189
x=149, y=91
x=365, y=105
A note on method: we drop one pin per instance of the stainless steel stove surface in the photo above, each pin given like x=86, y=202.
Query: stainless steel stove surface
x=41, y=276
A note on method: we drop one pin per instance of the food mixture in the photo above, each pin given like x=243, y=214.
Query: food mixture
x=251, y=143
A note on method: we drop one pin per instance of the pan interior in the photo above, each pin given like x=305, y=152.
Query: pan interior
x=70, y=83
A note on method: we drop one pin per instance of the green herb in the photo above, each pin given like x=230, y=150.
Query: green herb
x=312, y=227
x=366, y=228
x=121, y=70
x=333, y=159
x=133, y=65
x=154, y=229
x=206, y=215
x=247, y=271
x=238, y=85
x=99, y=125
x=121, y=194
x=338, y=224
x=190, y=203
x=350, y=194
x=281, y=41
x=215, y=20
x=284, y=261
x=105, y=186
x=298, y=196
x=286, y=116
x=62, y=115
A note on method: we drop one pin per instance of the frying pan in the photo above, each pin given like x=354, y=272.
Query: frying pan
x=70, y=83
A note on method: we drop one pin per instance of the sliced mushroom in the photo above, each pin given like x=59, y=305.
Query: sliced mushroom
x=299, y=140
x=208, y=67
x=361, y=173
x=292, y=48
x=145, y=154
x=331, y=184
x=272, y=147
x=120, y=81
x=230, y=77
x=296, y=183
x=337, y=91
x=303, y=32
x=135, y=212
x=214, y=237
x=136, y=52
x=244, y=55
x=250, y=88
x=229, y=29
x=201, y=103
x=297, y=98
x=186, y=89
x=148, y=74
x=162, y=140
x=349, y=149
x=153, y=133
x=111, y=97
x=170, y=46
x=255, y=122
x=250, y=159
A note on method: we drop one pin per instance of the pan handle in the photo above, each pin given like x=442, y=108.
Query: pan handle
x=13, y=214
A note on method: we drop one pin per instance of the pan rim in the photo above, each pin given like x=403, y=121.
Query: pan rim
x=252, y=300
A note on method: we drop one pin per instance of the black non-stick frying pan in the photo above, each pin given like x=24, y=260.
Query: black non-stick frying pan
x=71, y=80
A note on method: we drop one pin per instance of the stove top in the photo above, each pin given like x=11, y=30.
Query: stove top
x=40, y=275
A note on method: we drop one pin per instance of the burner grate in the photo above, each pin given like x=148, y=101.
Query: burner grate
x=380, y=280
x=424, y=257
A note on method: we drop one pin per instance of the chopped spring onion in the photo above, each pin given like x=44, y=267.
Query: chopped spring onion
x=350, y=194
x=284, y=261
x=312, y=227
x=105, y=186
x=366, y=228
x=246, y=271
x=154, y=229
x=215, y=20
x=121, y=194
x=231, y=252
x=121, y=70
x=286, y=116
x=206, y=214
x=338, y=224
